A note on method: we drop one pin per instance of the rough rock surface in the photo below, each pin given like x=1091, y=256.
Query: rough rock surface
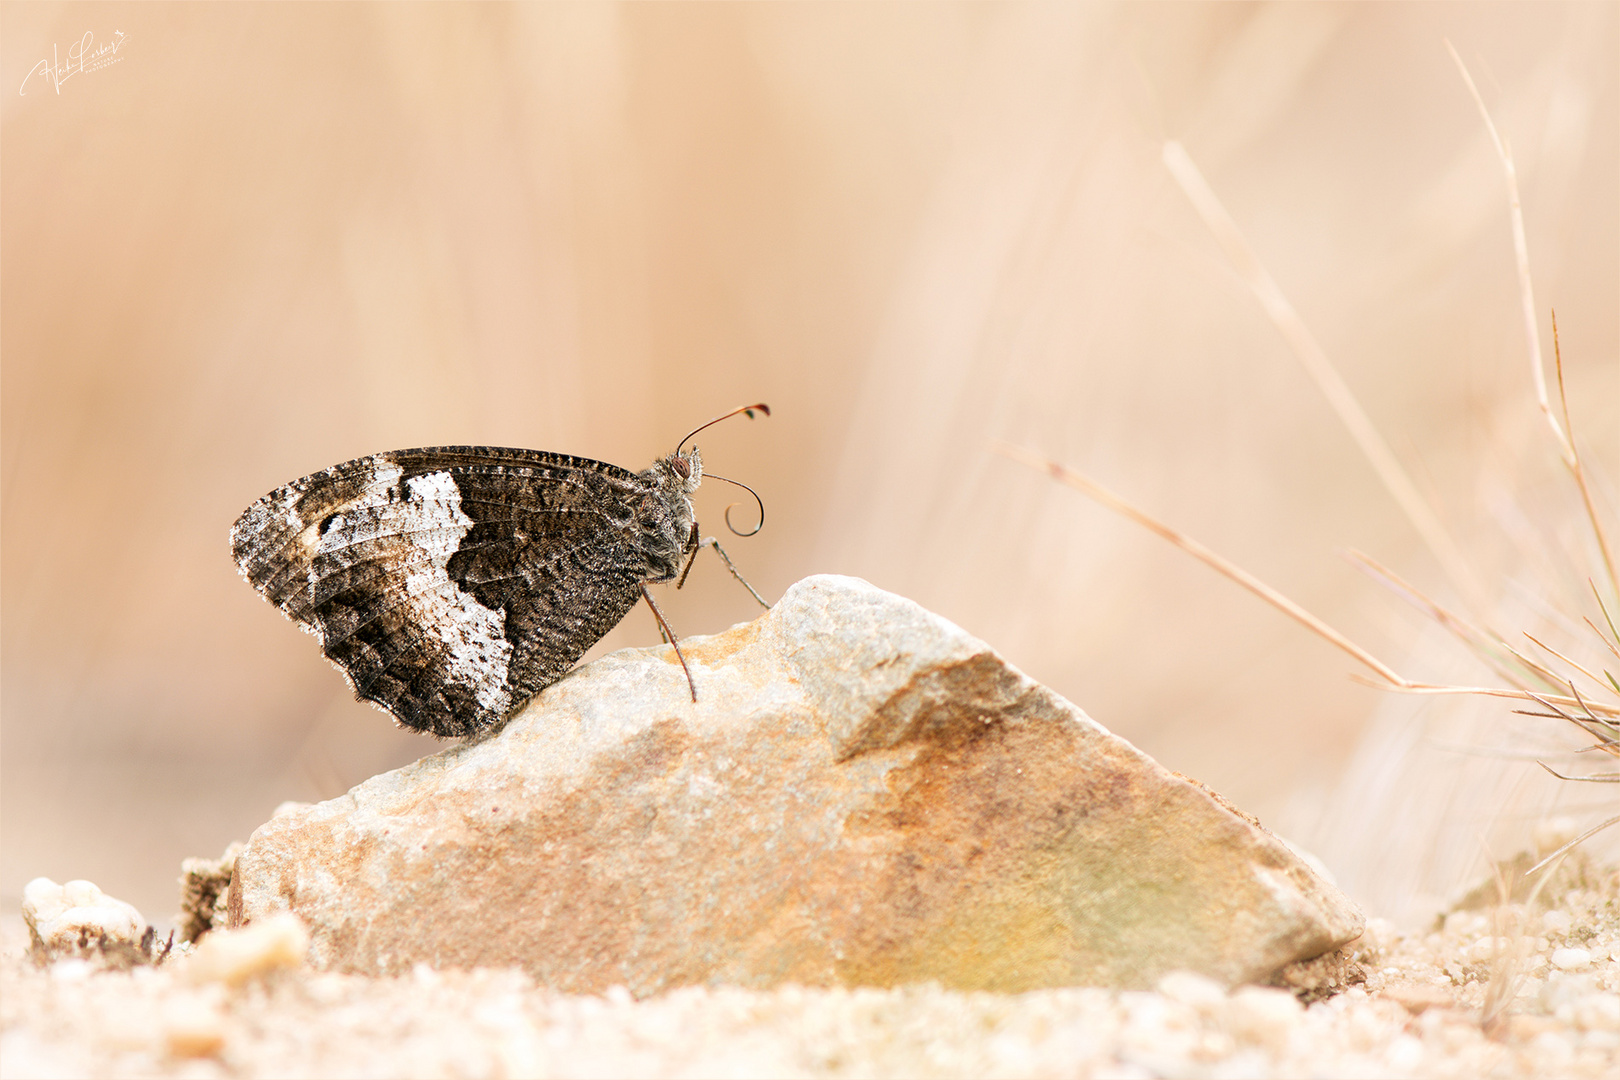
x=865, y=795
x=79, y=920
x=204, y=885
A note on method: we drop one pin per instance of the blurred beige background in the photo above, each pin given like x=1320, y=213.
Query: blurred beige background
x=267, y=238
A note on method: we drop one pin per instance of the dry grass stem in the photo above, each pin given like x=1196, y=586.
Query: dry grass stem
x=1521, y=253
x=1578, y=470
x=1503, y=692
x=1595, y=778
x=1487, y=647
x=1563, y=433
x=1571, y=662
x=1572, y=845
x=1388, y=679
x=1198, y=551
x=1326, y=376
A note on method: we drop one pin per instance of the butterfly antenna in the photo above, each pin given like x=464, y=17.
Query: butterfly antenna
x=757, y=500
x=747, y=410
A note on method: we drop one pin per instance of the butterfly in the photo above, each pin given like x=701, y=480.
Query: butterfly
x=450, y=584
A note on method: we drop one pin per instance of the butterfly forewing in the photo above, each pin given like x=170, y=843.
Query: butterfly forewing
x=449, y=584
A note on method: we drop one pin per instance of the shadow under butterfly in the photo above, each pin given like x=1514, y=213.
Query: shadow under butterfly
x=450, y=584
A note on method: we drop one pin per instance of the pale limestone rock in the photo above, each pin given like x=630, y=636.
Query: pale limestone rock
x=203, y=887
x=233, y=957
x=865, y=795
x=78, y=920
x=193, y=1025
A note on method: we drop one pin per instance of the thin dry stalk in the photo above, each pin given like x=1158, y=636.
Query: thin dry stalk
x=1578, y=470
x=1068, y=476
x=1507, y=965
x=1508, y=974
x=1572, y=845
x=1521, y=254
x=1316, y=363
x=1388, y=678
x=1572, y=663
x=1563, y=434
x=1486, y=646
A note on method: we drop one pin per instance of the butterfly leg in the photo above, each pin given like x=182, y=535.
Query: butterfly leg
x=669, y=636
x=697, y=545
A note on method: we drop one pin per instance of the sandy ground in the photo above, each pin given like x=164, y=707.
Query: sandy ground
x=1418, y=1014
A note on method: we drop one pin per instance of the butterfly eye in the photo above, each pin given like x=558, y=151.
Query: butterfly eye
x=685, y=470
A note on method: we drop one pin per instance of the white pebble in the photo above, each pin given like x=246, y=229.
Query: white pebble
x=1571, y=959
x=1405, y=1053
x=193, y=1027
x=1550, y=1049
x=1563, y=991
x=1379, y=934
x=1598, y=1012
x=70, y=970
x=1465, y=923
x=1261, y=1015
x=1190, y=988
x=234, y=956
x=1556, y=922
x=60, y=916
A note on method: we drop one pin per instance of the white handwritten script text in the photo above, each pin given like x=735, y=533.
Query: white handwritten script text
x=83, y=56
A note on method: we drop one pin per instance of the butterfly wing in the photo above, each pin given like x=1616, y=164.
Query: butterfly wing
x=450, y=584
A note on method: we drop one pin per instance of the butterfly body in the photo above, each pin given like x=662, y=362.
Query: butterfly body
x=450, y=584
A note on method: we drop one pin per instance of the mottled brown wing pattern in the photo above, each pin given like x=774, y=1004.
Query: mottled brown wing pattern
x=450, y=584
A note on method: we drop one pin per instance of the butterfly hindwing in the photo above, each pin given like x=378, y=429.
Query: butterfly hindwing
x=449, y=584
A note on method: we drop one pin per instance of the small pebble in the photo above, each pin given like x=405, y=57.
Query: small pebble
x=234, y=956
x=1571, y=959
x=1202, y=993
x=60, y=916
x=1405, y=1053
x=1378, y=935
x=1597, y=1012
x=70, y=970
x=193, y=1028
x=1551, y=1049
x=1260, y=1015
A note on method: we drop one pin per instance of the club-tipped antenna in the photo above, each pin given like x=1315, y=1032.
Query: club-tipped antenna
x=761, y=503
x=747, y=410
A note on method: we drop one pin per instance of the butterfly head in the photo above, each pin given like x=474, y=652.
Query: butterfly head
x=681, y=471
x=685, y=467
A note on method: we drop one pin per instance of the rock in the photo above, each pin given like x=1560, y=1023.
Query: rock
x=864, y=795
x=79, y=921
x=1571, y=959
x=204, y=884
x=1264, y=1016
x=1416, y=998
x=233, y=957
x=1598, y=1012
x=1205, y=995
x=193, y=1026
x=1320, y=977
